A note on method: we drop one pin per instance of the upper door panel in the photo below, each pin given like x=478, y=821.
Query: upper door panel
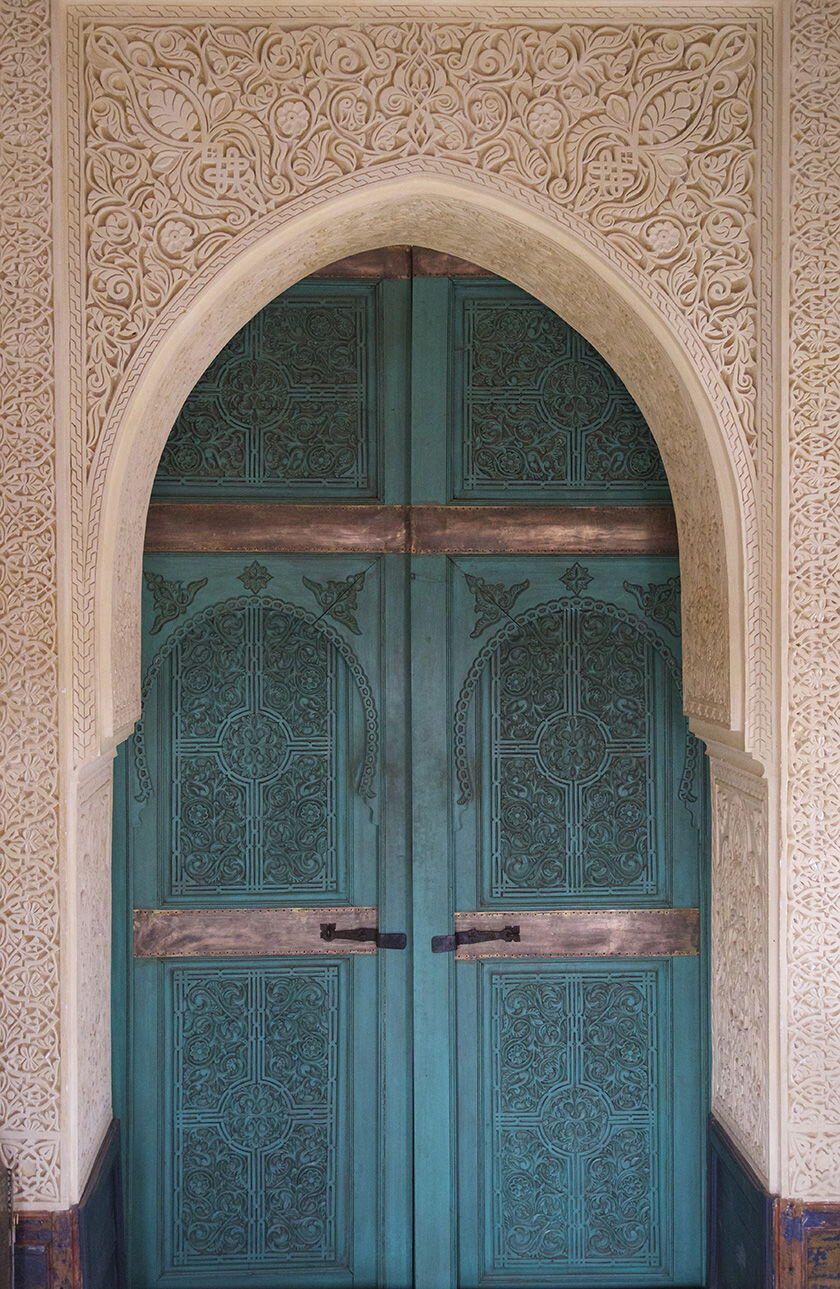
x=296, y=404
x=511, y=404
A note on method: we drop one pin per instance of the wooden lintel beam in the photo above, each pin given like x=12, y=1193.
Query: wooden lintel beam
x=288, y=528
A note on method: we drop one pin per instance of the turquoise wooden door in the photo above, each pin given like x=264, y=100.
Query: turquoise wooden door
x=420, y=744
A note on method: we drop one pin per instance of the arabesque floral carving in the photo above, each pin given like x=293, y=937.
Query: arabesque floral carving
x=30, y=1077
x=196, y=130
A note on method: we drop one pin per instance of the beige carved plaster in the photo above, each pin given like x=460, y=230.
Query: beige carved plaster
x=29, y=895
x=813, y=819
x=206, y=181
x=638, y=140
x=740, y=992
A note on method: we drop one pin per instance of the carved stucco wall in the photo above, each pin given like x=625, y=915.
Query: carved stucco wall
x=29, y=893
x=182, y=173
x=191, y=140
x=813, y=819
x=740, y=935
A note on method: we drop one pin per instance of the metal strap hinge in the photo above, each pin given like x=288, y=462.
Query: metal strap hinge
x=372, y=934
x=472, y=935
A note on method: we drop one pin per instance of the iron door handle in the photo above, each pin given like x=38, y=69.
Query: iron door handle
x=473, y=935
x=371, y=934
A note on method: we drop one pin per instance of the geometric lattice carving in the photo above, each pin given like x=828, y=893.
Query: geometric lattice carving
x=540, y=412
x=576, y=1102
x=289, y=405
x=252, y=1159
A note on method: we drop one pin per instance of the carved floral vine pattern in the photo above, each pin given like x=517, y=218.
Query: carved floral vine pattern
x=571, y=753
x=229, y=1021
x=195, y=131
x=288, y=405
x=255, y=740
x=339, y=599
x=574, y=1111
x=170, y=598
x=813, y=822
x=493, y=601
x=660, y=601
x=30, y=1075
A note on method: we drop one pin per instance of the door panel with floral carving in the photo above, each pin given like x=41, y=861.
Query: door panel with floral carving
x=254, y=783
x=576, y=1063
x=485, y=750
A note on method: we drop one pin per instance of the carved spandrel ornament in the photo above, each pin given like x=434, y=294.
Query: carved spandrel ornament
x=194, y=132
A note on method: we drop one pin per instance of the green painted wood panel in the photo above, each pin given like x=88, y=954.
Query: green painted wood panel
x=253, y=1088
x=425, y=734
x=297, y=403
x=580, y=1084
x=520, y=407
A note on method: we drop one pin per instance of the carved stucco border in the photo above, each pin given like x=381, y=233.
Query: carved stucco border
x=813, y=733
x=29, y=879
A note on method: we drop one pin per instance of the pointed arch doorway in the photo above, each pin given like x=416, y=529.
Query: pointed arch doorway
x=411, y=658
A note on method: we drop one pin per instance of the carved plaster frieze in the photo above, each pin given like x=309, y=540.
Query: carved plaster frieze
x=740, y=960
x=192, y=137
x=29, y=958
x=813, y=876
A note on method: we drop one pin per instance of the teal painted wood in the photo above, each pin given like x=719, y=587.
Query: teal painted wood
x=256, y=1123
x=297, y=403
x=581, y=1084
x=487, y=733
x=514, y=405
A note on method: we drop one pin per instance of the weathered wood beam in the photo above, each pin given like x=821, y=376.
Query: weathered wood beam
x=287, y=528
x=586, y=933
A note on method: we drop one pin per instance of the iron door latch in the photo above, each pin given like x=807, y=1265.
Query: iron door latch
x=472, y=935
x=371, y=934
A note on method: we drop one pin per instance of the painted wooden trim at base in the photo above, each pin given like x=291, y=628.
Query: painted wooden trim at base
x=82, y=1247
x=740, y=1219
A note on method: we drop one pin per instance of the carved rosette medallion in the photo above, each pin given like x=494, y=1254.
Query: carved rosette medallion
x=256, y=1115
x=255, y=745
x=574, y=1119
x=572, y=747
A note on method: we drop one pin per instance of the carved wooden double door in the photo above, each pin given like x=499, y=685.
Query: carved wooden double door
x=409, y=914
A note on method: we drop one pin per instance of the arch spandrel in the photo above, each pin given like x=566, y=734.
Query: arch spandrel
x=537, y=256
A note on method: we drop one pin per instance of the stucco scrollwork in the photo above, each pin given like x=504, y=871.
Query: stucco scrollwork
x=29, y=950
x=813, y=880
x=740, y=1022
x=192, y=137
x=643, y=132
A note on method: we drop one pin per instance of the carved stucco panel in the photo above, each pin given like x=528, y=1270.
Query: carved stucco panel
x=93, y=940
x=813, y=879
x=196, y=138
x=29, y=949
x=740, y=961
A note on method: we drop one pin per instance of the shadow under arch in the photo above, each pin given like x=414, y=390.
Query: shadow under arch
x=541, y=257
